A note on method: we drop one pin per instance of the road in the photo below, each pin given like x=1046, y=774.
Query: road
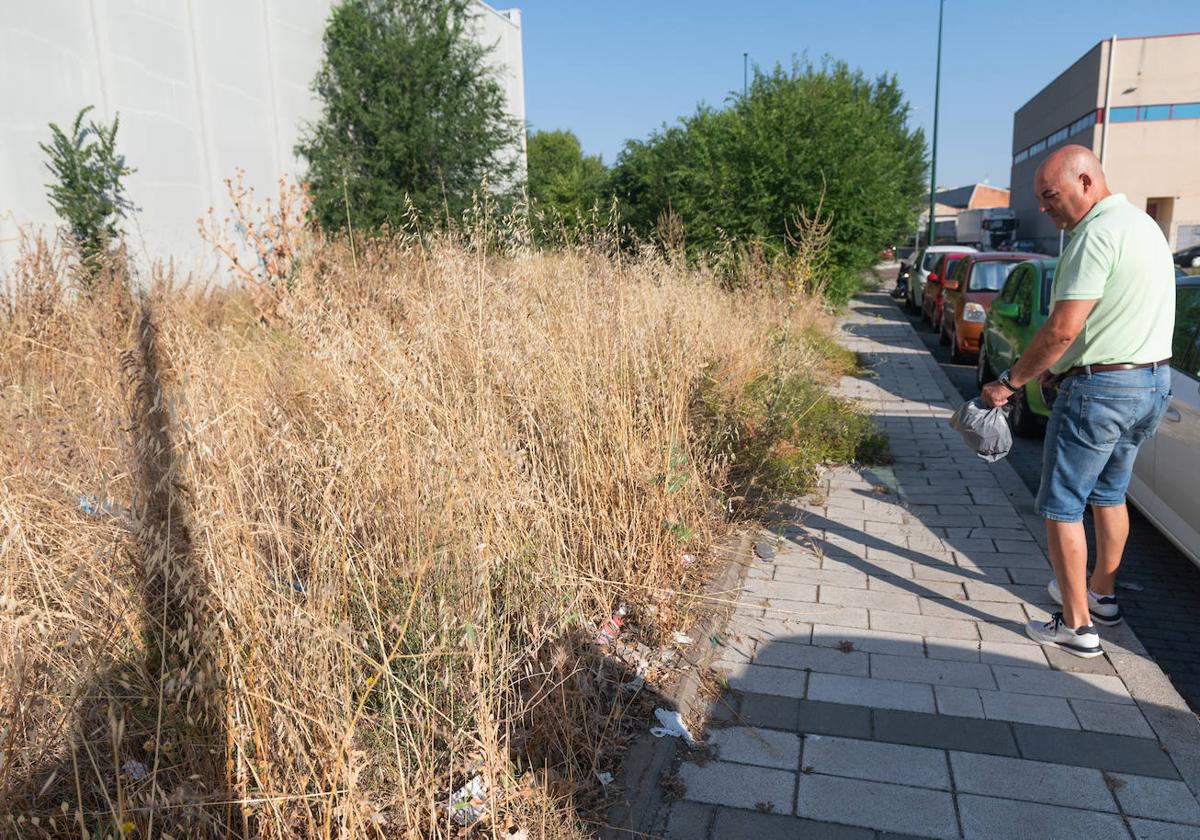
x=1159, y=588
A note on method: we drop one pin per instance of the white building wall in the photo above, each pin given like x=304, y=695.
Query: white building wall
x=202, y=88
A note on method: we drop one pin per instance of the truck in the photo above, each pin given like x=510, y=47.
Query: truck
x=986, y=228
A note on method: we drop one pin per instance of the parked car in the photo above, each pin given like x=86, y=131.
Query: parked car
x=1188, y=257
x=968, y=293
x=922, y=264
x=1166, y=473
x=931, y=301
x=1025, y=246
x=1020, y=309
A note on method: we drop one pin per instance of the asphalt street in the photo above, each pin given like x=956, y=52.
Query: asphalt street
x=1159, y=588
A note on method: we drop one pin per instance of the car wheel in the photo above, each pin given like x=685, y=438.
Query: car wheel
x=983, y=368
x=956, y=354
x=1021, y=419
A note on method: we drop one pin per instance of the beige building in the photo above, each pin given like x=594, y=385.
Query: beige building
x=1136, y=103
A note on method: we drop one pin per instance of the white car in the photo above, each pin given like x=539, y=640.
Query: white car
x=1166, y=476
x=923, y=263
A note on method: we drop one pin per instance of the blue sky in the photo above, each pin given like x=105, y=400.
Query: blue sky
x=618, y=70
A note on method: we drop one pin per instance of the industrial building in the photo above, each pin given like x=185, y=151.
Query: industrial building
x=1135, y=102
x=202, y=90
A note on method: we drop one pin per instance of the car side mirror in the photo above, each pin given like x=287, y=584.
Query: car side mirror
x=1006, y=310
x=950, y=285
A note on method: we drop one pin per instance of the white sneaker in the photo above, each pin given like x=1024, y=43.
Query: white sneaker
x=1104, y=608
x=1083, y=642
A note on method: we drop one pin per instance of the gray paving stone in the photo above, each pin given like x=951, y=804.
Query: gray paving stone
x=781, y=590
x=1045, y=683
x=932, y=671
x=1060, y=660
x=892, y=601
x=761, y=747
x=1012, y=653
x=817, y=717
x=1028, y=708
x=922, y=625
x=827, y=660
x=738, y=785
x=952, y=590
x=1111, y=717
x=944, y=732
x=836, y=577
x=985, y=818
x=872, y=641
x=1155, y=830
x=1115, y=753
x=970, y=610
x=689, y=821
x=924, y=813
x=768, y=710
x=1159, y=799
x=1034, y=781
x=876, y=761
x=823, y=614
x=737, y=824
x=961, y=702
x=958, y=650
x=1002, y=559
x=876, y=563
x=863, y=691
x=763, y=679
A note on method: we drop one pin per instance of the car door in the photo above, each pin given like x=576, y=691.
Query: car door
x=1176, y=481
x=1004, y=332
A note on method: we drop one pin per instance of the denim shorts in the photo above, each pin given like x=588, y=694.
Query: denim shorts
x=1096, y=426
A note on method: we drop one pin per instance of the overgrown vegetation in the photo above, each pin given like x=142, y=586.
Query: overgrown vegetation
x=88, y=190
x=304, y=566
x=564, y=184
x=413, y=118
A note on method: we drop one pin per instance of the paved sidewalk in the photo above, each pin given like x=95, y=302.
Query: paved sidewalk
x=880, y=682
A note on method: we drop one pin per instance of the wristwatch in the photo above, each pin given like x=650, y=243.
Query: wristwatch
x=1006, y=382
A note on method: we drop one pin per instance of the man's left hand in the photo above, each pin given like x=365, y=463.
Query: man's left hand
x=994, y=394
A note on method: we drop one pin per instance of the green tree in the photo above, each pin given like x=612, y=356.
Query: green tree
x=412, y=112
x=563, y=181
x=800, y=138
x=88, y=192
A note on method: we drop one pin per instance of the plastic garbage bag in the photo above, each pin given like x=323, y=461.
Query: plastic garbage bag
x=984, y=430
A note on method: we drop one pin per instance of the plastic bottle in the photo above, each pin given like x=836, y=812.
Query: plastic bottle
x=612, y=628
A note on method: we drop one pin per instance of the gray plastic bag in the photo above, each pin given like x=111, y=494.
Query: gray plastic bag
x=984, y=430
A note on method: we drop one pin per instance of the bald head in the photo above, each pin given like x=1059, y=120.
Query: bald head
x=1068, y=184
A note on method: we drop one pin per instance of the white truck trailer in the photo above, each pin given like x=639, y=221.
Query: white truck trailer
x=986, y=228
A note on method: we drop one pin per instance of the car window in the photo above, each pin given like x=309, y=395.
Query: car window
x=990, y=276
x=960, y=271
x=1024, y=298
x=1009, y=293
x=951, y=264
x=1047, y=286
x=1185, y=349
x=930, y=260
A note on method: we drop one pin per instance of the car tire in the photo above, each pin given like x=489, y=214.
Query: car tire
x=956, y=355
x=983, y=368
x=1021, y=419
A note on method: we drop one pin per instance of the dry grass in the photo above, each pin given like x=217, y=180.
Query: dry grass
x=355, y=553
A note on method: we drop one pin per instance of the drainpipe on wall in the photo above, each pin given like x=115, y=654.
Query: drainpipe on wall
x=1112, y=48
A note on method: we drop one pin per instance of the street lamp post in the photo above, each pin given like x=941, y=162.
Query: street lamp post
x=745, y=65
x=937, y=89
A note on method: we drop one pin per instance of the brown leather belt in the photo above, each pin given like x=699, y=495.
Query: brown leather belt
x=1102, y=368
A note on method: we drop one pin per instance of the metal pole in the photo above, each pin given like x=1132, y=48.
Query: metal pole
x=745, y=64
x=937, y=90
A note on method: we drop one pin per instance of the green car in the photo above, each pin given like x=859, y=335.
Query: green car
x=1022, y=306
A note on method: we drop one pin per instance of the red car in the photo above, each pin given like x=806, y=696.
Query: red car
x=931, y=303
x=968, y=294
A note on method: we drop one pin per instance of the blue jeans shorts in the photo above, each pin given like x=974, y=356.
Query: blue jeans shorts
x=1096, y=426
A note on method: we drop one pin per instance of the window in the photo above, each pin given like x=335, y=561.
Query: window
x=1120, y=115
x=1057, y=137
x=1154, y=112
x=1009, y=293
x=1185, y=348
x=1025, y=297
x=931, y=258
x=1021, y=156
x=951, y=265
x=1037, y=148
x=990, y=276
x=1047, y=288
x=1186, y=111
x=1083, y=123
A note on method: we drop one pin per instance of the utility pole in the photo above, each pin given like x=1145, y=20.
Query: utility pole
x=937, y=89
x=745, y=65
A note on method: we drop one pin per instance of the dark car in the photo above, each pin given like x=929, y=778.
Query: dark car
x=1188, y=257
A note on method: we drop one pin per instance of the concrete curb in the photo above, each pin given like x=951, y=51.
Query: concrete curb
x=1173, y=722
x=642, y=809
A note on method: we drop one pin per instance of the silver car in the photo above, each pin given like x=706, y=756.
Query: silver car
x=923, y=263
x=1166, y=476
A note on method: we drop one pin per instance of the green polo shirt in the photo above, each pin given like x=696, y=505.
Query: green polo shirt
x=1118, y=257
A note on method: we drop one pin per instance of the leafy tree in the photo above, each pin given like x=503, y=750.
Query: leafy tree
x=563, y=181
x=810, y=136
x=87, y=192
x=412, y=112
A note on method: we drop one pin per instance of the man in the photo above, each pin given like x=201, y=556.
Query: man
x=1107, y=343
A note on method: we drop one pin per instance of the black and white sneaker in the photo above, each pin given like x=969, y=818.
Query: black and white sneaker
x=1083, y=642
x=1104, y=608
